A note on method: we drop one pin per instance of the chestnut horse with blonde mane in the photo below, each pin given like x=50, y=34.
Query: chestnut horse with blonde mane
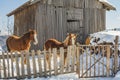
x=53, y=43
x=15, y=43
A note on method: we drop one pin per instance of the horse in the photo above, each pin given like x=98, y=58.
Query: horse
x=87, y=41
x=53, y=43
x=15, y=43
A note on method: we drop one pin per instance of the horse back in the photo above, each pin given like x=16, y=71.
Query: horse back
x=52, y=43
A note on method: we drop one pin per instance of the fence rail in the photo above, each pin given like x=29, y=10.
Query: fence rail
x=86, y=61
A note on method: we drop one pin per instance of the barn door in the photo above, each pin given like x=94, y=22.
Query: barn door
x=75, y=22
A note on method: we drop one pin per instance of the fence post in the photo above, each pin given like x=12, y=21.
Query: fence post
x=3, y=58
x=62, y=60
x=17, y=65
x=12, y=59
x=78, y=61
x=73, y=53
x=108, y=60
x=8, y=65
x=39, y=62
x=22, y=64
x=34, y=64
x=55, y=60
x=116, y=54
x=28, y=64
x=45, y=71
x=49, y=61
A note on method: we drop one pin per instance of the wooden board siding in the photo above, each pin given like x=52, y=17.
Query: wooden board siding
x=50, y=23
x=94, y=20
x=24, y=20
x=59, y=17
x=76, y=3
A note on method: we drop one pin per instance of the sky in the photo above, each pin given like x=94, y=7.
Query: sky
x=113, y=17
x=6, y=6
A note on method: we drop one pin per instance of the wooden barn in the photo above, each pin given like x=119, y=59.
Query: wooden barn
x=56, y=18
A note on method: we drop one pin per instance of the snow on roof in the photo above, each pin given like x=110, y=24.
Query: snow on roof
x=108, y=5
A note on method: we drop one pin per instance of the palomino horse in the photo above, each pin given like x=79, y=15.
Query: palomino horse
x=15, y=43
x=53, y=43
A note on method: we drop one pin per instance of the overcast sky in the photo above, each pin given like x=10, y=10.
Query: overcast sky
x=6, y=6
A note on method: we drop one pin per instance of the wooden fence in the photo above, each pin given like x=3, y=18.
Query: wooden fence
x=86, y=61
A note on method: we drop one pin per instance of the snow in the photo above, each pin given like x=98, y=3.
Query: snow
x=108, y=36
x=105, y=36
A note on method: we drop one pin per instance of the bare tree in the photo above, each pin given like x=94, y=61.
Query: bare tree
x=9, y=26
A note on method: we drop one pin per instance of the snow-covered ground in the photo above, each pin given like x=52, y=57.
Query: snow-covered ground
x=108, y=36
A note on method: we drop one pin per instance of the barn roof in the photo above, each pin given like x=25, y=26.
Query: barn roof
x=107, y=5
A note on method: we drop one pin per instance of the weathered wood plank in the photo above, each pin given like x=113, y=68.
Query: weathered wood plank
x=82, y=61
x=45, y=71
x=116, y=54
x=78, y=61
x=103, y=53
x=8, y=64
x=94, y=61
x=17, y=65
x=4, y=66
x=87, y=61
x=39, y=63
x=34, y=64
x=90, y=60
x=55, y=61
x=50, y=62
x=22, y=65
x=99, y=62
x=28, y=64
x=68, y=58
x=73, y=55
x=108, y=62
x=62, y=53
x=12, y=68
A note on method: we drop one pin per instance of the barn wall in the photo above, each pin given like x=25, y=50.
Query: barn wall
x=24, y=20
x=59, y=17
x=50, y=23
x=94, y=20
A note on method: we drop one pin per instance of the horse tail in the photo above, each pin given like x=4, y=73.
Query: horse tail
x=7, y=45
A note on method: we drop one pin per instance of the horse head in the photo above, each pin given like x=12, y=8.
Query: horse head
x=70, y=39
x=32, y=35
